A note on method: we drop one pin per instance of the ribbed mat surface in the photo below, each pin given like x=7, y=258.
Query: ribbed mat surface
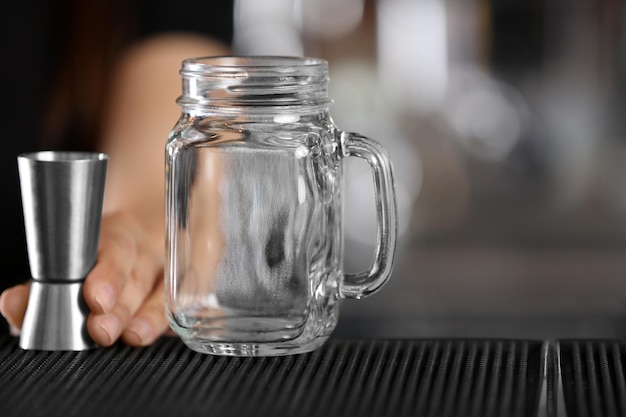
x=344, y=378
x=593, y=378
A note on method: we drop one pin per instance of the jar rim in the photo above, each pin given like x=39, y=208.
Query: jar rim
x=262, y=62
x=262, y=82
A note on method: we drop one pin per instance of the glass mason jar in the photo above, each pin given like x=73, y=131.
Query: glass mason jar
x=254, y=241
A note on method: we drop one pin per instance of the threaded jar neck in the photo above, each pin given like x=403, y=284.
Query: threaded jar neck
x=255, y=84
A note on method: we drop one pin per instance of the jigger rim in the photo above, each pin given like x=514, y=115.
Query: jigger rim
x=64, y=156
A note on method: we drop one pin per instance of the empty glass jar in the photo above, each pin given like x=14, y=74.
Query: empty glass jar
x=254, y=208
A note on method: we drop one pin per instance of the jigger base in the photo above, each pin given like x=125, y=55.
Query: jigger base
x=56, y=318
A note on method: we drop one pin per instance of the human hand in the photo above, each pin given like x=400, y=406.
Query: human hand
x=124, y=291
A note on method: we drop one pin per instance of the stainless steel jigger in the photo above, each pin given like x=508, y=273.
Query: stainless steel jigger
x=62, y=194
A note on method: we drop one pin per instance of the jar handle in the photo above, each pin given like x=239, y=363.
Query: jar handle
x=366, y=283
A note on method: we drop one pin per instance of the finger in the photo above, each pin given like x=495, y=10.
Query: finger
x=116, y=257
x=150, y=322
x=105, y=329
x=13, y=302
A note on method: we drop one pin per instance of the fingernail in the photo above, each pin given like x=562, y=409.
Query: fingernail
x=105, y=297
x=141, y=330
x=111, y=326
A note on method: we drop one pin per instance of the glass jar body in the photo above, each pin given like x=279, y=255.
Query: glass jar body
x=253, y=233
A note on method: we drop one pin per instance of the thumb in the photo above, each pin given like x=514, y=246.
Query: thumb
x=13, y=303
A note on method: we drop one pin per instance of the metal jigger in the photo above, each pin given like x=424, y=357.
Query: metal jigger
x=62, y=194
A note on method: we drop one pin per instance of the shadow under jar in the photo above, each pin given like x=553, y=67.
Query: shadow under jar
x=254, y=234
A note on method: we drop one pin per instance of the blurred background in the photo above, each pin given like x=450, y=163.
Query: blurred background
x=503, y=118
x=504, y=122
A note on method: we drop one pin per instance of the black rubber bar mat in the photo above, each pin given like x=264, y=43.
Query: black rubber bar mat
x=593, y=378
x=344, y=378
